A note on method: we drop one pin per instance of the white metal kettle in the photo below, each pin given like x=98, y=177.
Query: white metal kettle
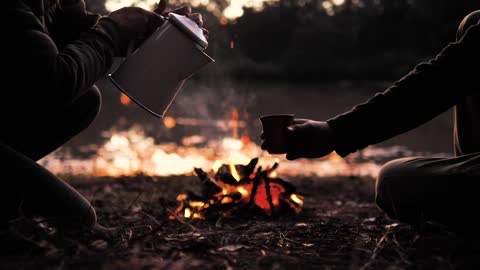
x=154, y=73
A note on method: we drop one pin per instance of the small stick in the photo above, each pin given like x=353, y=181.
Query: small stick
x=181, y=220
x=134, y=201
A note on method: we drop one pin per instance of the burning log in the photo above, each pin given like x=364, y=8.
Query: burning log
x=239, y=190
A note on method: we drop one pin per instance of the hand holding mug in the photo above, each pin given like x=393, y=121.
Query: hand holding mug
x=304, y=138
x=274, y=134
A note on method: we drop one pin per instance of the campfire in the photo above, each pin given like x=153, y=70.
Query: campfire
x=232, y=190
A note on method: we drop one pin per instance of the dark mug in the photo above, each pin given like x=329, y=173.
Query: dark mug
x=275, y=131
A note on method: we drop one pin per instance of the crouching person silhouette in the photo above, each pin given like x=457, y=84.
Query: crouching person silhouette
x=417, y=189
x=55, y=52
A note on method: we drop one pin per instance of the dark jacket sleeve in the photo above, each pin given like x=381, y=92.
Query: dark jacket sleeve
x=41, y=70
x=430, y=89
x=68, y=19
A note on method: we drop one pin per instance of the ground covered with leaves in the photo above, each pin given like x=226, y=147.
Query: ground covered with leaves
x=339, y=228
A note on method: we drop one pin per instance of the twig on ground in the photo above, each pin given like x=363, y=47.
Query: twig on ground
x=134, y=201
x=181, y=220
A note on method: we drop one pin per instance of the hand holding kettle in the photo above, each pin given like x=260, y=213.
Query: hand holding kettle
x=183, y=10
x=136, y=24
x=155, y=70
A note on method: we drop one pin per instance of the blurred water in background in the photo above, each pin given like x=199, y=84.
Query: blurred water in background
x=216, y=100
x=213, y=122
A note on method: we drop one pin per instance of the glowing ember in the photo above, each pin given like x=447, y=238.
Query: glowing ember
x=297, y=199
x=169, y=122
x=223, y=21
x=243, y=191
x=239, y=190
x=125, y=100
x=187, y=213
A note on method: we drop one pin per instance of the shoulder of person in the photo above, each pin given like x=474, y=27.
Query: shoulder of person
x=473, y=34
x=474, y=17
x=21, y=14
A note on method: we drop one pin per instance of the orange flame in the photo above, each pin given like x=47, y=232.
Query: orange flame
x=234, y=123
x=234, y=114
x=187, y=213
x=233, y=171
x=272, y=175
x=226, y=200
x=243, y=191
x=266, y=192
x=217, y=165
x=297, y=199
x=223, y=21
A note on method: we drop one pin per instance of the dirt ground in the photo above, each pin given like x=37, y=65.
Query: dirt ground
x=339, y=228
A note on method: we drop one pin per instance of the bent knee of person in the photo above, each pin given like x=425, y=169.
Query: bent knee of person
x=470, y=20
x=396, y=168
x=392, y=174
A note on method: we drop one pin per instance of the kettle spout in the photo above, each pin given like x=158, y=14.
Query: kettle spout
x=204, y=59
x=198, y=60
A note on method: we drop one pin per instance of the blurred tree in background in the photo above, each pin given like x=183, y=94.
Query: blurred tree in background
x=314, y=40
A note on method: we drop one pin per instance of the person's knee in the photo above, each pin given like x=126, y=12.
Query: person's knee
x=388, y=177
x=470, y=20
x=382, y=187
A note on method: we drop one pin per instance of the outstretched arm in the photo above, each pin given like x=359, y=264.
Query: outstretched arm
x=430, y=89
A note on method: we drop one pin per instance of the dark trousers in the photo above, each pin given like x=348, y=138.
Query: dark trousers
x=28, y=188
x=443, y=190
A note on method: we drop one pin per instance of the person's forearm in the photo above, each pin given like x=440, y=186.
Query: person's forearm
x=81, y=63
x=426, y=92
x=69, y=18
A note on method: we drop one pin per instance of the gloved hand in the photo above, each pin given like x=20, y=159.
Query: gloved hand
x=135, y=23
x=73, y=7
x=183, y=10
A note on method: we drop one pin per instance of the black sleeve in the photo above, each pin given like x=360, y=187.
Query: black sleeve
x=68, y=19
x=430, y=89
x=40, y=69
